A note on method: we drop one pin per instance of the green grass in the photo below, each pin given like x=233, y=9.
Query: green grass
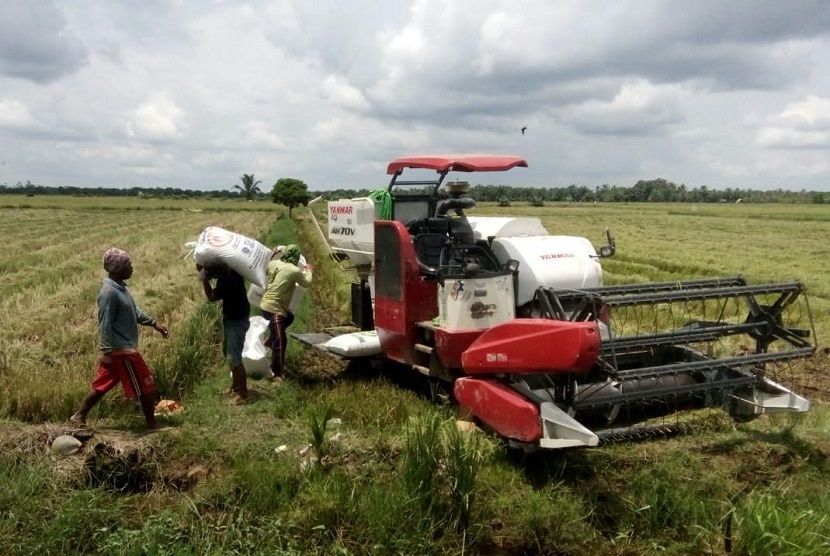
x=399, y=478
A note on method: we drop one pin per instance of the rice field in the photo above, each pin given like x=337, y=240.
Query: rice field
x=394, y=476
x=50, y=274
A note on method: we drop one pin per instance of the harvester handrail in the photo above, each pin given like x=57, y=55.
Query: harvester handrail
x=590, y=402
x=699, y=294
x=686, y=335
x=710, y=364
x=565, y=294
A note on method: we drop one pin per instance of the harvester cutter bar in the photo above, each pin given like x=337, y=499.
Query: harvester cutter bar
x=628, y=434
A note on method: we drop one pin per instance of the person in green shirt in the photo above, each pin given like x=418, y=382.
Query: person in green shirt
x=283, y=278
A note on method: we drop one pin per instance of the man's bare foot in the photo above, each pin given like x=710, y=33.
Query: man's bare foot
x=276, y=379
x=239, y=400
x=78, y=422
x=158, y=428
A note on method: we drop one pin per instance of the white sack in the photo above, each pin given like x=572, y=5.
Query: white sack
x=356, y=344
x=256, y=358
x=246, y=256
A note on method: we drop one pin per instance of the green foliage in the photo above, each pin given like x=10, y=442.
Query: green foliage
x=197, y=348
x=249, y=187
x=318, y=425
x=290, y=192
x=782, y=524
x=439, y=469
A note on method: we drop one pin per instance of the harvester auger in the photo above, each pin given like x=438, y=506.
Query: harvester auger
x=535, y=346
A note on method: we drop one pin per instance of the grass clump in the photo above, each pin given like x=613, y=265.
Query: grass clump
x=783, y=524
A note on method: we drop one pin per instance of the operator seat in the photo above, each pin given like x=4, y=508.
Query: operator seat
x=428, y=250
x=429, y=237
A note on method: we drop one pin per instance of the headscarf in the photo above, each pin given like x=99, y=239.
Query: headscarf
x=291, y=254
x=116, y=260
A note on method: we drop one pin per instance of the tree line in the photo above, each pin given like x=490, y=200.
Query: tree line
x=644, y=191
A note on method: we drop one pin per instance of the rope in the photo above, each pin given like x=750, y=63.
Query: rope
x=383, y=198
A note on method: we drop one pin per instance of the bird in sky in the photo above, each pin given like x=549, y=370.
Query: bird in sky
x=524, y=129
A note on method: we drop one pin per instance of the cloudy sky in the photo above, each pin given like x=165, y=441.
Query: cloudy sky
x=158, y=93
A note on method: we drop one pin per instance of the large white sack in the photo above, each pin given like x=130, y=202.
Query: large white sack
x=255, y=292
x=246, y=256
x=256, y=358
x=356, y=344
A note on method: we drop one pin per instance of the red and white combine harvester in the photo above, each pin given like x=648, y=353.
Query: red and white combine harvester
x=535, y=346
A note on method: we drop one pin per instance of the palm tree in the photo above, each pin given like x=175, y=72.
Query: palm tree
x=249, y=187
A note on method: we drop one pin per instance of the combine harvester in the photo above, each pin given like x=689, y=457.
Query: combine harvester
x=535, y=346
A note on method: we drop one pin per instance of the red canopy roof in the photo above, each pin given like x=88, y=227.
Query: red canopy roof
x=459, y=163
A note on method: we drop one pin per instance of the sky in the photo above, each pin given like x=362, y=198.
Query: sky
x=194, y=94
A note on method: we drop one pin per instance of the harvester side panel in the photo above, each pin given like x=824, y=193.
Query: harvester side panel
x=403, y=297
x=534, y=345
x=501, y=408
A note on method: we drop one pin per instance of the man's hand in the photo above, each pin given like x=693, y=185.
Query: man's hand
x=204, y=276
x=105, y=359
x=161, y=329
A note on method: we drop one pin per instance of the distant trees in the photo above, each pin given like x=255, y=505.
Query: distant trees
x=249, y=187
x=290, y=192
x=296, y=193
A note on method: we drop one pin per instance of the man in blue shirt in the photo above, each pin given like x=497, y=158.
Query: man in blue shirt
x=120, y=361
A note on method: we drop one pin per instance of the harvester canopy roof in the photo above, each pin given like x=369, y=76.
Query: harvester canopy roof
x=458, y=163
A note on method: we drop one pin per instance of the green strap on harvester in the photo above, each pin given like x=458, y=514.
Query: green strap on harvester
x=382, y=198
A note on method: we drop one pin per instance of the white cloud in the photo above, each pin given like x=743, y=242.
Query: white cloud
x=14, y=114
x=258, y=136
x=801, y=125
x=814, y=110
x=639, y=108
x=338, y=90
x=157, y=119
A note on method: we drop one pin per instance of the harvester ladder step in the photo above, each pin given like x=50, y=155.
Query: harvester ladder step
x=423, y=348
x=421, y=369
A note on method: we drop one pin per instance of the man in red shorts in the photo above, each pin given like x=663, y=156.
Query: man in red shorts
x=120, y=361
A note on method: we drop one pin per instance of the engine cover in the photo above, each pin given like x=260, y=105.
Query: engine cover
x=568, y=262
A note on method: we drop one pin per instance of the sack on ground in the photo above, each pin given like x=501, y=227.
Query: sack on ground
x=246, y=256
x=256, y=357
x=356, y=344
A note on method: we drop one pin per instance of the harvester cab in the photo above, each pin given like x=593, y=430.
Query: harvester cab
x=536, y=347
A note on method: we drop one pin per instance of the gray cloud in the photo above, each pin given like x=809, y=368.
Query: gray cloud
x=36, y=44
x=195, y=94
